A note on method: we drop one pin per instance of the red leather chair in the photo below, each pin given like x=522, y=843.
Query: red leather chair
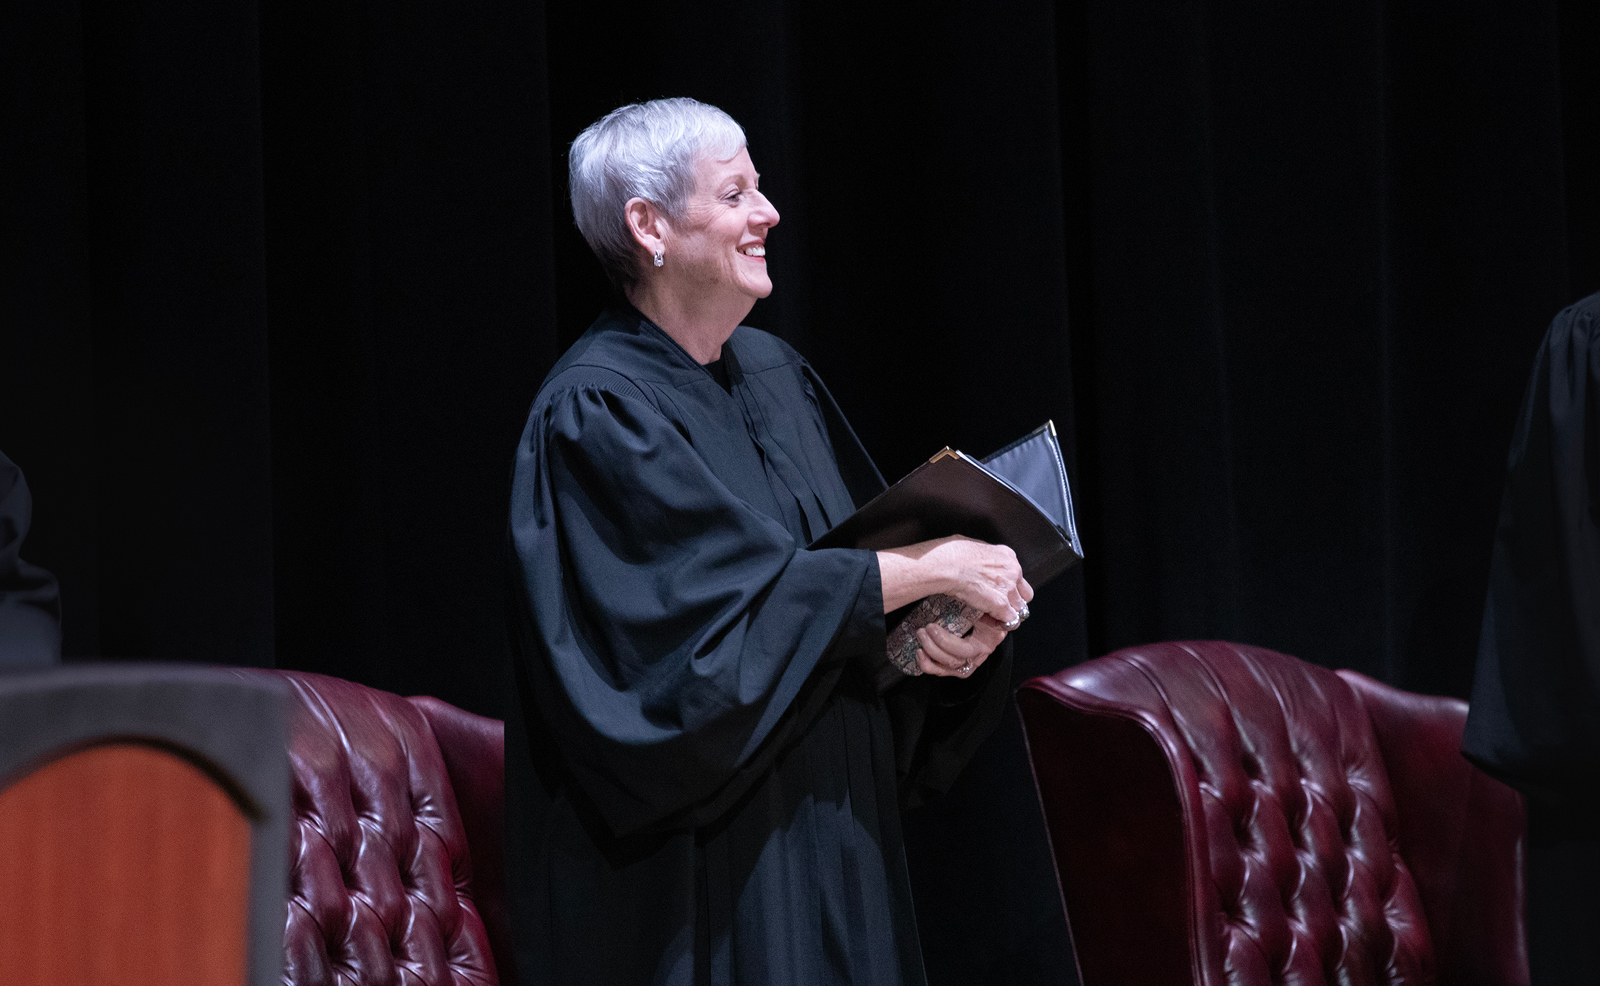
x=1223, y=814
x=396, y=842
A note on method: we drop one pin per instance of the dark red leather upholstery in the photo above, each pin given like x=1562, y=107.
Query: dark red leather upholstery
x=1227, y=814
x=381, y=886
x=1461, y=832
x=474, y=751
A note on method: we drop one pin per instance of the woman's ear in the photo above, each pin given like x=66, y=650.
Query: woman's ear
x=647, y=224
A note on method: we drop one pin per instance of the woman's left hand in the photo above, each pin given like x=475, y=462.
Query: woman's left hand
x=944, y=653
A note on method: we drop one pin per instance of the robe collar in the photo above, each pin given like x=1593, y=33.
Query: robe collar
x=625, y=310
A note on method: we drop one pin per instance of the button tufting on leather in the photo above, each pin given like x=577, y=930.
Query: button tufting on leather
x=1301, y=803
x=377, y=845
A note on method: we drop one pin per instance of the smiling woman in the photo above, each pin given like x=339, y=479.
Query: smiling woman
x=719, y=250
x=719, y=779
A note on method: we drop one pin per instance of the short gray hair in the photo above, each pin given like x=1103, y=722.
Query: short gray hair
x=648, y=150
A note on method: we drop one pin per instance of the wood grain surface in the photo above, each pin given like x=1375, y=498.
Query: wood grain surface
x=122, y=864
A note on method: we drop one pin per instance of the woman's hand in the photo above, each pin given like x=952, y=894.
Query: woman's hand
x=984, y=576
x=943, y=653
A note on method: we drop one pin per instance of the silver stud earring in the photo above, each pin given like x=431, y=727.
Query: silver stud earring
x=658, y=258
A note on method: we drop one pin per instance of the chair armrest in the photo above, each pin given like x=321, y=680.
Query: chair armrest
x=474, y=750
x=1116, y=831
x=1462, y=835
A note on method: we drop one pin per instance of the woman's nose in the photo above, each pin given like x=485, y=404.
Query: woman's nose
x=766, y=213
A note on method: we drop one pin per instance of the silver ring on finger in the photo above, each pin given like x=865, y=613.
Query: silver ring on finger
x=966, y=668
x=1013, y=623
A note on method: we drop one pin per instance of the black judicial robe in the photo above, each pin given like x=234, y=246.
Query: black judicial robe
x=1535, y=714
x=717, y=785
x=30, y=602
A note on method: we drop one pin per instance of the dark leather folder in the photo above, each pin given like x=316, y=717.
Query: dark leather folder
x=1017, y=497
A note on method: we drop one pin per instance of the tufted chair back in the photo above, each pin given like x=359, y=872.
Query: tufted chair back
x=381, y=886
x=1223, y=814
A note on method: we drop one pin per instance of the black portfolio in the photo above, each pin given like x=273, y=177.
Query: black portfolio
x=1018, y=497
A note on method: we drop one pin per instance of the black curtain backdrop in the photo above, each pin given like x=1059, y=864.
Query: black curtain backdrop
x=281, y=279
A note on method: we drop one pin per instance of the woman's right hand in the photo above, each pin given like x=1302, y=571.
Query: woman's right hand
x=985, y=576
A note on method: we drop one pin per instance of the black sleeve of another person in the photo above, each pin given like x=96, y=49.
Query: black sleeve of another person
x=30, y=603
x=1535, y=712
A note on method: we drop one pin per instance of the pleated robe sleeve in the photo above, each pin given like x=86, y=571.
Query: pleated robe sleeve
x=1534, y=719
x=682, y=637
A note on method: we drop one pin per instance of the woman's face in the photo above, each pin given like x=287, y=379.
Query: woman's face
x=720, y=246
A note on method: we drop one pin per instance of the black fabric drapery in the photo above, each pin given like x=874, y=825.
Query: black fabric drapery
x=1357, y=211
x=280, y=280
